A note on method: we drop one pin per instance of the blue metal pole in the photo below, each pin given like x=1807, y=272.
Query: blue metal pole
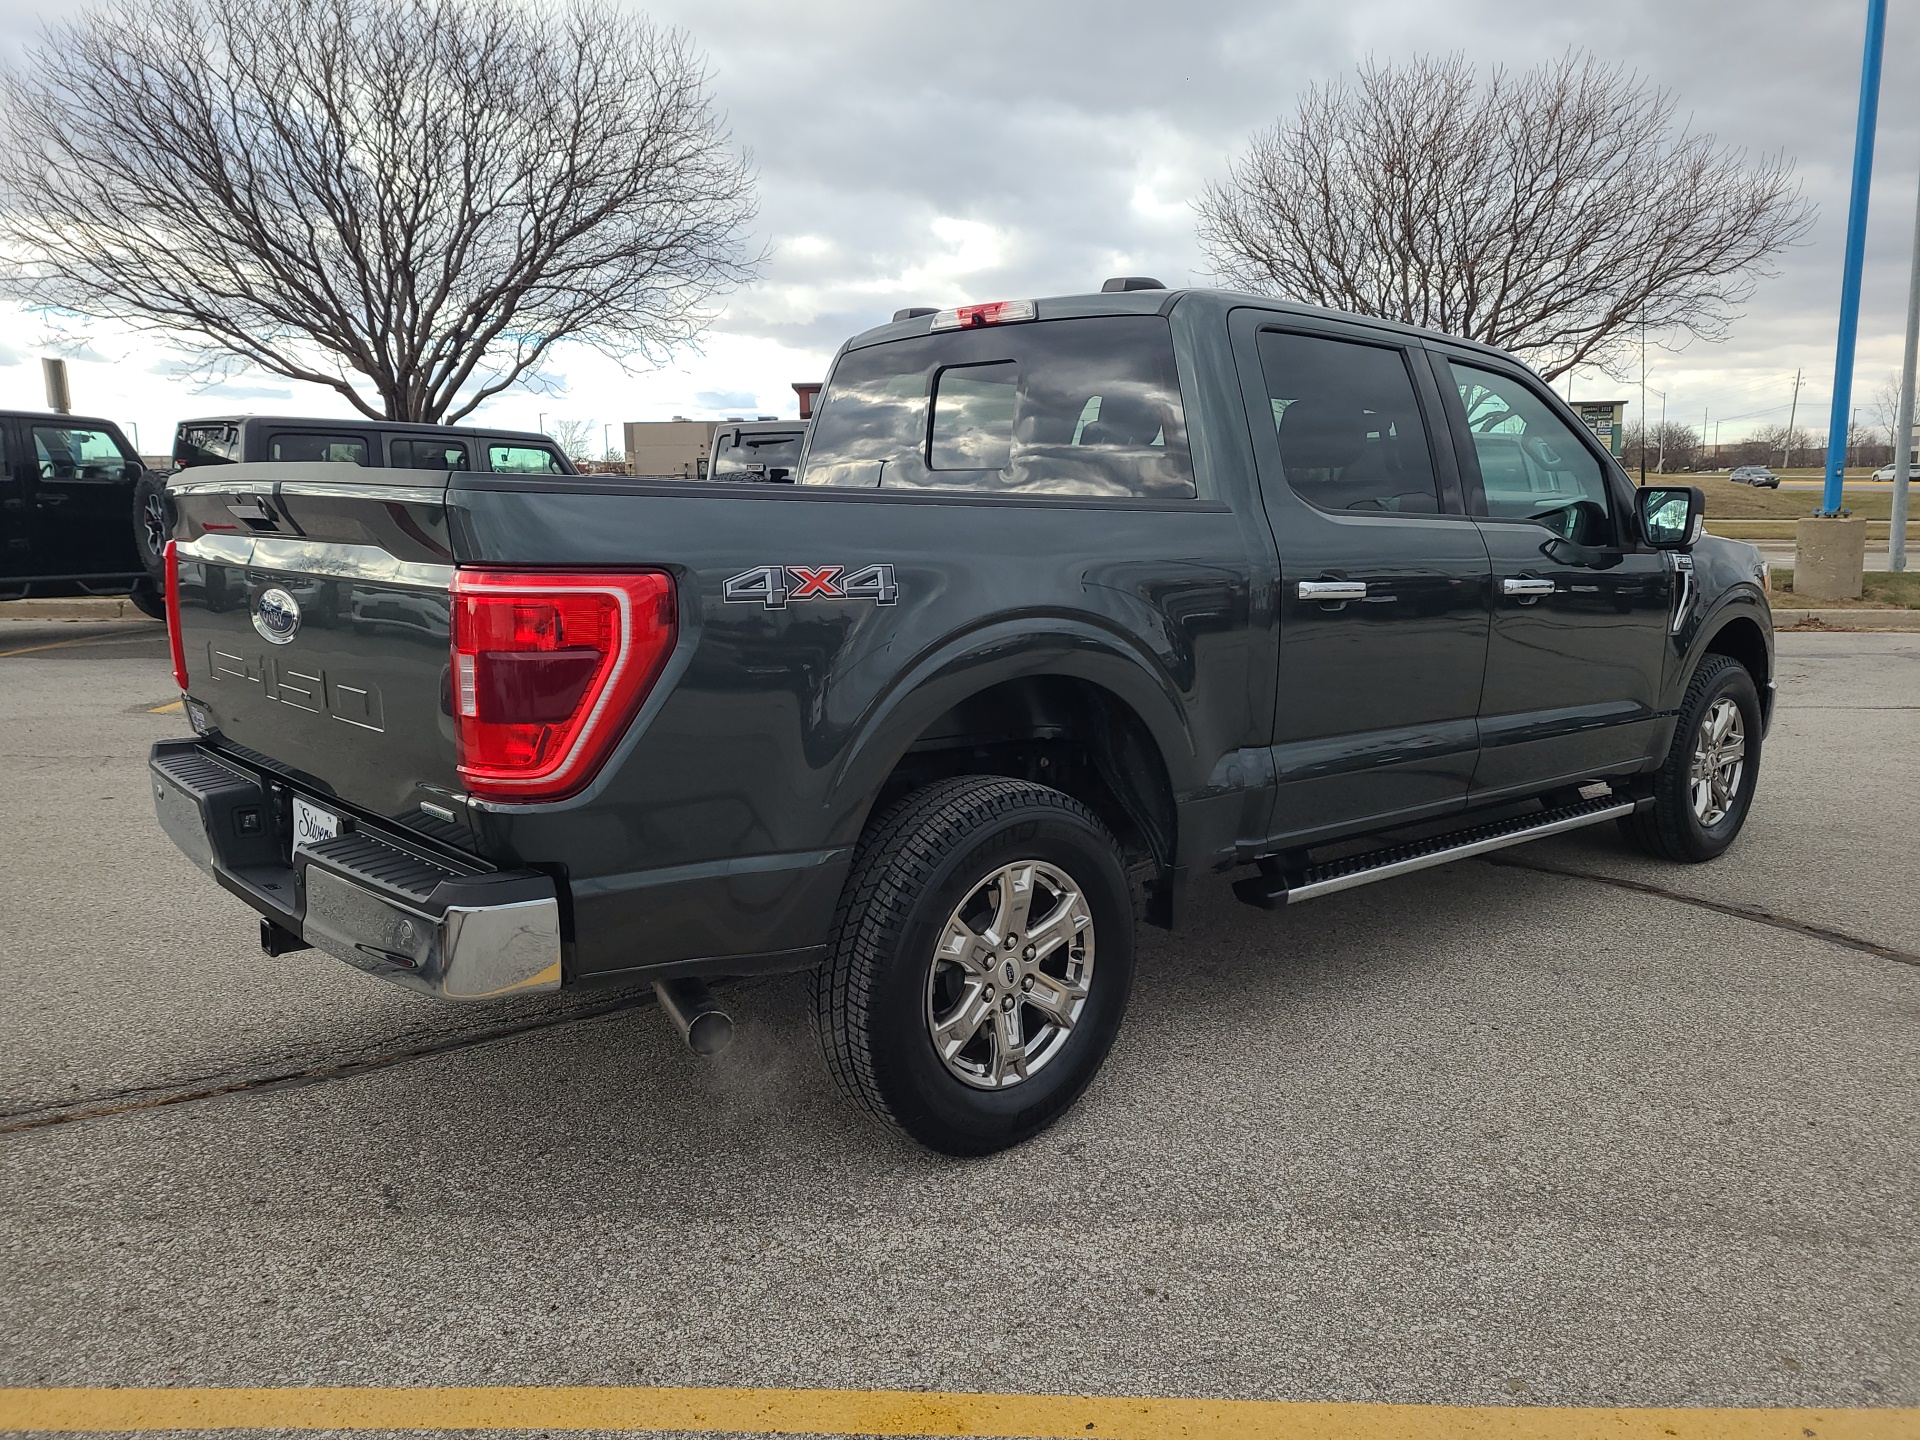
x=1830, y=499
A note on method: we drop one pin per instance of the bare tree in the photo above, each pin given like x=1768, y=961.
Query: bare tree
x=1778, y=445
x=1671, y=448
x=408, y=201
x=575, y=437
x=1884, y=406
x=1550, y=214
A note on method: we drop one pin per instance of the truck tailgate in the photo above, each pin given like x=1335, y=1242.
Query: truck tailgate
x=314, y=613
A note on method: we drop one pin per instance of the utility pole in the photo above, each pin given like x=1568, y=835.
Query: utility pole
x=1793, y=411
x=1661, y=464
x=1704, y=412
x=1903, y=426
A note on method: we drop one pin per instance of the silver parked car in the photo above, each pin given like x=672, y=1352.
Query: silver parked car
x=1758, y=476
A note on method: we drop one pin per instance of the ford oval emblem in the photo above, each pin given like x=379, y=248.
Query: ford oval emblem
x=276, y=615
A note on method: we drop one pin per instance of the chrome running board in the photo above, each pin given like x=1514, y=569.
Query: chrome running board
x=1274, y=887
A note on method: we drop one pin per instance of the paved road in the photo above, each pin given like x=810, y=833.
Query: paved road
x=1484, y=1135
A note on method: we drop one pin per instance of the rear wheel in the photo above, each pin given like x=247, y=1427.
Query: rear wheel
x=1704, y=788
x=980, y=963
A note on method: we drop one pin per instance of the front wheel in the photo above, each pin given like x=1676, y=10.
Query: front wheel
x=980, y=963
x=152, y=524
x=1705, y=786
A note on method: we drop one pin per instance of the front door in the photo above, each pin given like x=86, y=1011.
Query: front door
x=16, y=514
x=1384, y=582
x=82, y=500
x=1580, y=610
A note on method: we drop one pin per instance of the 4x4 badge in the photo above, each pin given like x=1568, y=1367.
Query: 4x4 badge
x=774, y=585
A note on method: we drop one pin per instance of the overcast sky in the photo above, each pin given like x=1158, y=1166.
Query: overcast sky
x=935, y=154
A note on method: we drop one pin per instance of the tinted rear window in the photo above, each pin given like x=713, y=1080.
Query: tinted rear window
x=524, y=460
x=206, y=445
x=429, y=454
x=1062, y=407
x=339, y=449
x=737, y=452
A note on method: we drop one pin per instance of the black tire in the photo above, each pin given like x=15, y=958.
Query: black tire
x=876, y=998
x=152, y=525
x=149, y=599
x=1671, y=828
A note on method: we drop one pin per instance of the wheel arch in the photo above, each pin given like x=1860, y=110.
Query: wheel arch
x=1075, y=709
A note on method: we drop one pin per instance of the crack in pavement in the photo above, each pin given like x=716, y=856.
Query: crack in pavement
x=120, y=1102
x=95, y=1109
x=1721, y=907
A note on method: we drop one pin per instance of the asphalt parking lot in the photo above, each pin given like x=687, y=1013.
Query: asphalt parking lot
x=1574, y=1129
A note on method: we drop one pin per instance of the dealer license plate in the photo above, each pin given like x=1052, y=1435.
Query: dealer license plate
x=311, y=824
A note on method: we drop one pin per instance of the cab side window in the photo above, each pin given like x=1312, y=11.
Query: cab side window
x=72, y=454
x=1349, y=426
x=1532, y=465
x=523, y=460
x=336, y=449
x=429, y=455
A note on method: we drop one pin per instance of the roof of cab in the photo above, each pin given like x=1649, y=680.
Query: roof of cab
x=1161, y=302
x=59, y=418
x=362, y=422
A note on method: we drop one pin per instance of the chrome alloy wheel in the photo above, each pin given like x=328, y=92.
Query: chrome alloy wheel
x=1010, y=974
x=1719, y=760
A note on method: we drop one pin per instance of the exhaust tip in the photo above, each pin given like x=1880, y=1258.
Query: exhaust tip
x=703, y=1025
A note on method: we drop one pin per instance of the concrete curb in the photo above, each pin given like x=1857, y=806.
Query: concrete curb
x=1845, y=619
x=94, y=608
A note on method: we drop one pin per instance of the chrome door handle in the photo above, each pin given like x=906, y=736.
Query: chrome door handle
x=1524, y=586
x=1333, y=589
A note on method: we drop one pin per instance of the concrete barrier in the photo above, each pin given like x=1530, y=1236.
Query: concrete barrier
x=1829, y=557
x=95, y=609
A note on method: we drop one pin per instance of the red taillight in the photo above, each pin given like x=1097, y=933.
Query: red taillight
x=174, y=640
x=548, y=669
x=993, y=312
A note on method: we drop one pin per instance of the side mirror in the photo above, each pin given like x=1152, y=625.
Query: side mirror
x=1671, y=516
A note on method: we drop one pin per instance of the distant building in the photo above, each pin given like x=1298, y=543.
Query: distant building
x=676, y=449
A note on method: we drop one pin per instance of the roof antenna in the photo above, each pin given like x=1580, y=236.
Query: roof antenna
x=1121, y=283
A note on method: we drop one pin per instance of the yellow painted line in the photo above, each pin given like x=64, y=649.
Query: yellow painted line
x=168, y=708
x=81, y=640
x=906, y=1412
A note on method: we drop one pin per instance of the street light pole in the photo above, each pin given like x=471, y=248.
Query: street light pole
x=1903, y=424
x=1643, y=402
x=1830, y=499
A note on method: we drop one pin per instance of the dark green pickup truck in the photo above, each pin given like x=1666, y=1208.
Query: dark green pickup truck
x=1073, y=600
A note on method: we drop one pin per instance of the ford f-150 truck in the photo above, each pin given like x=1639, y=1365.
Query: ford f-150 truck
x=1073, y=600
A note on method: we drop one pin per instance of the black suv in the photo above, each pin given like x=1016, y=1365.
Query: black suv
x=232, y=439
x=73, y=498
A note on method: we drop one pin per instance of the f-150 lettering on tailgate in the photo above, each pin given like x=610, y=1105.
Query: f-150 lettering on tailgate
x=309, y=690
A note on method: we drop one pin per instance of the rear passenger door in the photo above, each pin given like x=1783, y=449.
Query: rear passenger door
x=1580, y=608
x=1383, y=578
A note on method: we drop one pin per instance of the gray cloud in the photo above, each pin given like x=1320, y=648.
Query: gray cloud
x=936, y=154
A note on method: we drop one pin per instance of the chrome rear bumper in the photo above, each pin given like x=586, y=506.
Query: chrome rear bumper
x=361, y=897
